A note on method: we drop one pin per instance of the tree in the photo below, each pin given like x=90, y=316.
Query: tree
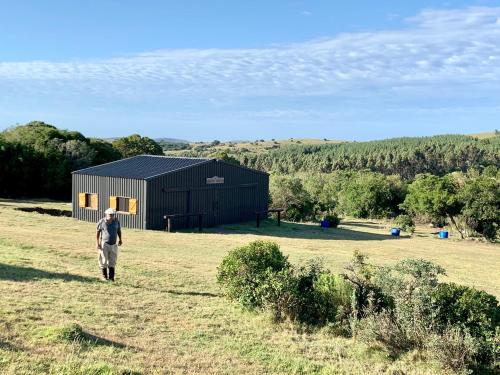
x=289, y=193
x=224, y=155
x=136, y=145
x=435, y=198
x=481, y=205
x=366, y=195
x=104, y=152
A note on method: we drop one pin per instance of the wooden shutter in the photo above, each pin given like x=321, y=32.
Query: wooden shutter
x=112, y=202
x=81, y=199
x=94, y=203
x=132, y=206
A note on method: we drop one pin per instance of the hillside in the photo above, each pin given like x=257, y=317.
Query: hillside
x=165, y=313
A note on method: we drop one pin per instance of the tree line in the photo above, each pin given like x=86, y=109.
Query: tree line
x=406, y=157
x=36, y=159
x=467, y=201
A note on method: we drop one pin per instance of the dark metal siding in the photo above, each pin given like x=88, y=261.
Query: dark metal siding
x=105, y=187
x=244, y=191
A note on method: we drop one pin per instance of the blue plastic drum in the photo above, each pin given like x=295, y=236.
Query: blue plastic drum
x=395, y=232
x=443, y=234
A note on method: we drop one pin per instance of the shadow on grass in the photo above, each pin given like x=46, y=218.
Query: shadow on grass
x=4, y=345
x=299, y=230
x=45, y=211
x=182, y=293
x=363, y=224
x=73, y=332
x=90, y=339
x=18, y=273
x=175, y=292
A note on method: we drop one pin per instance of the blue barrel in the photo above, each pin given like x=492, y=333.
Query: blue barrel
x=443, y=234
x=395, y=232
x=325, y=224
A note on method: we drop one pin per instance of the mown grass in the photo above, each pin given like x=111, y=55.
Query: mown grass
x=165, y=313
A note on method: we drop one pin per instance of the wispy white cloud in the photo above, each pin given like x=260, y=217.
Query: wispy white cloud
x=437, y=47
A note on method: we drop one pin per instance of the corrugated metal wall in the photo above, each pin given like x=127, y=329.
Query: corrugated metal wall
x=243, y=192
x=105, y=187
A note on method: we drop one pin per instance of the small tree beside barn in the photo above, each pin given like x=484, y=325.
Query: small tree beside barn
x=143, y=189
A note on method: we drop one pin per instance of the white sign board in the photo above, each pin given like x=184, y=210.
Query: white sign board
x=215, y=180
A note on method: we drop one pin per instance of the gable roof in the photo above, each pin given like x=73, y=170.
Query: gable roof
x=142, y=167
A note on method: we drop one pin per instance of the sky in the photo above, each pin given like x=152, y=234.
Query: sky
x=246, y=70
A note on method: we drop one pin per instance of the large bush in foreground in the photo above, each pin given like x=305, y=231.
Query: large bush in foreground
x=401, y=308
x=246, y=268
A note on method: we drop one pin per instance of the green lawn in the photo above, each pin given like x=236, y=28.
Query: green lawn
x=165, y=313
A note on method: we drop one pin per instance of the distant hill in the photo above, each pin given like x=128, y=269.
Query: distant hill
x=486, y=135
x=171, y=140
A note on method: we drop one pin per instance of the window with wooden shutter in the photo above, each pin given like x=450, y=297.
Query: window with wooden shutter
x=94, y=203
x=132, y=206
x=82, y=198
x=88, y=200
x=112, y=202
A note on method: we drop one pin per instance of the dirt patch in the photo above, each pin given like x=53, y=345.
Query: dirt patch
x=46, y=211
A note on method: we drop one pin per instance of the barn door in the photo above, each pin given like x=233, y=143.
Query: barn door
x=206, y=201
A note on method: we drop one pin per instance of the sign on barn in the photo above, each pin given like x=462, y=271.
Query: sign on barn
x=215, y=180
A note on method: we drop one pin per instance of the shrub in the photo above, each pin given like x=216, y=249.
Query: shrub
x=245, y=268
x=453, y=348
x=467, y=308
x=383, y=328
x=472, y=311
x=291, y=294
x=405, y=222
x=333, y=219
x=409, y=284
x=279, y=294
x=308, y=294
x=366, y=295
x=334, y=293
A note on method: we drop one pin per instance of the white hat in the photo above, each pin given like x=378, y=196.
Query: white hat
x=110, y=211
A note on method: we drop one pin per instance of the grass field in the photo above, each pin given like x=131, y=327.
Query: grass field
x=164, y=314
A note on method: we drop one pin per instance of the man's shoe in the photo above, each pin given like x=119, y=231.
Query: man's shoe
x=111, y=274
x=105, y=273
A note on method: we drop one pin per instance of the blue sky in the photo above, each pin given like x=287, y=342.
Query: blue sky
x=203, y=70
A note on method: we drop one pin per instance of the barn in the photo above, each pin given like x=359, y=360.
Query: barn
x=145, y=188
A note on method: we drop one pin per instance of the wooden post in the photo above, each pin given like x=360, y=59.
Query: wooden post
x=258, y=219
x=279, y=218
x=200, y=217
x=169, y=224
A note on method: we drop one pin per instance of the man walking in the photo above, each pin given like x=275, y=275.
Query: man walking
x=108, y=229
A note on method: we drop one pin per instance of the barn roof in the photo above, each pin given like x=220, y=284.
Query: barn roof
x=142, y=166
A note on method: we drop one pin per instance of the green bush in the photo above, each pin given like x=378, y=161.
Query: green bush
x=333, y=219
x=466, y=307
x=290, y=294
x=410, y=284
x=455, y=349
x=382, y=327
x=309, y=295
x=367, y=295
x=246, y=268
x=279, y=294
x=473, y=311
x=334, y=294
x=405, y=222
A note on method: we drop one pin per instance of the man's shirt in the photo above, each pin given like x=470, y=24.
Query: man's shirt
x=109, y=231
